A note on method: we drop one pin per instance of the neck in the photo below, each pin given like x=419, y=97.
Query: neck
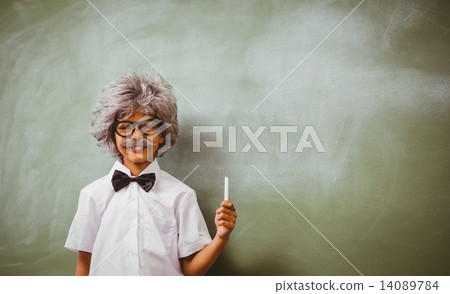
x=135, y=168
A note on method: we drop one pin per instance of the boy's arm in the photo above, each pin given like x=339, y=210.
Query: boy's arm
x=199, y=263
x=83, y=264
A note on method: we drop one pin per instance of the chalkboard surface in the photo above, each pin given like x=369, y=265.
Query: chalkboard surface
x=366, y=80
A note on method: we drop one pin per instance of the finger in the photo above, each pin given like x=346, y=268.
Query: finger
x=228, y=204
x=227, y=217
x=223, y=208
x=226, y=224
x=226, y=211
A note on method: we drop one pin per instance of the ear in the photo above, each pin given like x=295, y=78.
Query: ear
x=160, y=139
x=160, y=142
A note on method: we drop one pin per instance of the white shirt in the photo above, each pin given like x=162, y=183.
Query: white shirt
x=133, y=232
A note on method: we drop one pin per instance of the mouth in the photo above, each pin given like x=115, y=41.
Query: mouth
x=138, y=148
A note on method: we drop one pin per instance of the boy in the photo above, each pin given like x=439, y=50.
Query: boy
x=138, y=219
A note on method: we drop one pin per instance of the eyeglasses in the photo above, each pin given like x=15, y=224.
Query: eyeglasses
x=147, y=127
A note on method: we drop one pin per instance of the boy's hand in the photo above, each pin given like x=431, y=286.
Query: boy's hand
x=225, y=219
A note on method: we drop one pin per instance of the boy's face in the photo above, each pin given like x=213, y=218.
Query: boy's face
x=137, y=147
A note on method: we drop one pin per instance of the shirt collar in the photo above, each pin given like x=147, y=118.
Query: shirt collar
x=151, y=168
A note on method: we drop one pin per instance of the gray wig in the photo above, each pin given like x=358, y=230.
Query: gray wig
x=151, y=95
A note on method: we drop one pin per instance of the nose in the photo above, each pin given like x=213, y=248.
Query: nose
x=137, y=134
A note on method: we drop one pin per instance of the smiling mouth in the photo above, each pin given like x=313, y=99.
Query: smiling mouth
x=138, y=148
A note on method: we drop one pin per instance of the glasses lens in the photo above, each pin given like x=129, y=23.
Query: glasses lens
x=149, y=127
x=124, y=128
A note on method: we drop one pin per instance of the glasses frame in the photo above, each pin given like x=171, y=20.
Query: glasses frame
x=136, y=125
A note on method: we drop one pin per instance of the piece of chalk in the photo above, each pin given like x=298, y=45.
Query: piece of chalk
x=226, y=188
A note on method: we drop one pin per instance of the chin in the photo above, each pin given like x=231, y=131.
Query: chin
x=139, y=160
x=138, y=157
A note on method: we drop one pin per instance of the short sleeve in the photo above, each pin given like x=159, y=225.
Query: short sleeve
x=193, y=233
x=84, y=228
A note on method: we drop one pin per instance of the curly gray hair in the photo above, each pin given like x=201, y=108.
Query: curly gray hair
x=151, y=95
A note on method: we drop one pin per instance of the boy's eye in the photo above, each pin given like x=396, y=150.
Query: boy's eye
x=149, y=127
x=124, y=128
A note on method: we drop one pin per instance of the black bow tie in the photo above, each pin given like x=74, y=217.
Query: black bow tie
x=121, y=180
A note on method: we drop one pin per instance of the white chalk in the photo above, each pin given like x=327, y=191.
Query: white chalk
x=226, y=188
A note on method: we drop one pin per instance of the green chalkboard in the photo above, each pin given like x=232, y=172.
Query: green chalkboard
x=369, y=80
